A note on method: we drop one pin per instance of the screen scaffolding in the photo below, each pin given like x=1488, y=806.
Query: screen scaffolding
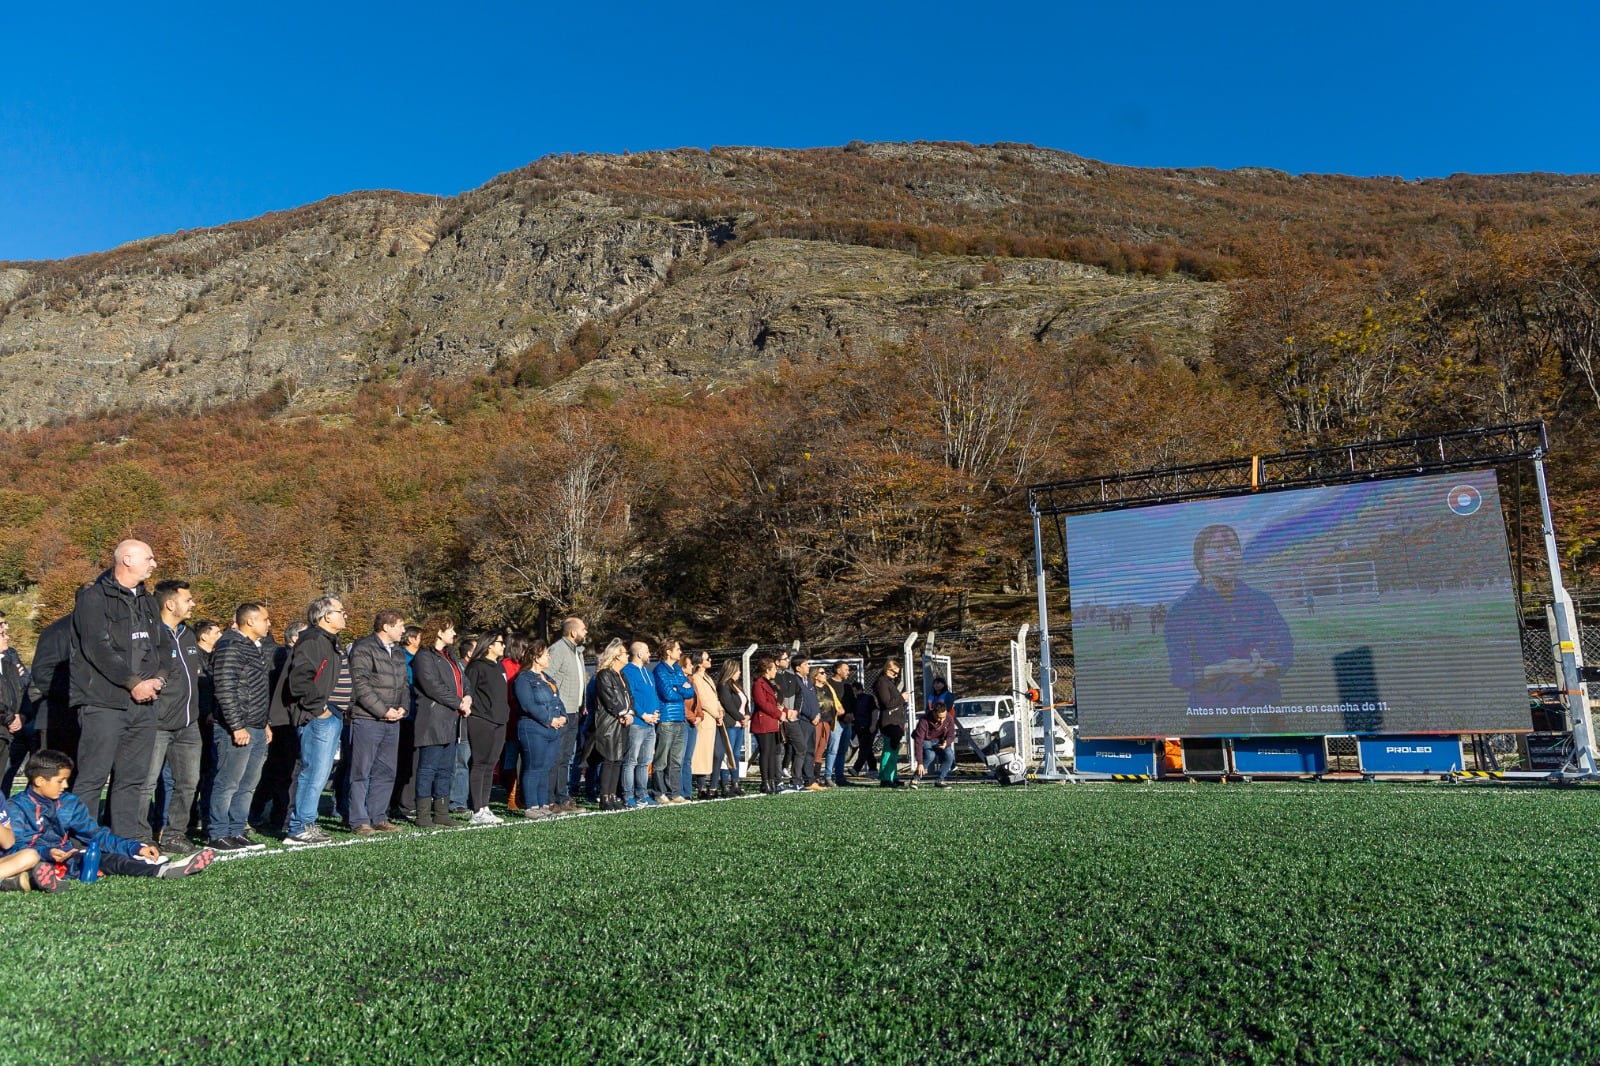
x=1337, y=465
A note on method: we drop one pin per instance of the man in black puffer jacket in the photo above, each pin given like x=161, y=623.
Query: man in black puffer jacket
x=117, y=673
x=240, y=679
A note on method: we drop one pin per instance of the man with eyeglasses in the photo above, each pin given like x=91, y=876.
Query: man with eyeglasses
x=310, y=676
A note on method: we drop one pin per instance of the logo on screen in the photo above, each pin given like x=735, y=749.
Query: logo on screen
x=1465, y=500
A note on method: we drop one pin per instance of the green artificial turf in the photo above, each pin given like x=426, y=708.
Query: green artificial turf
x=1097, y=923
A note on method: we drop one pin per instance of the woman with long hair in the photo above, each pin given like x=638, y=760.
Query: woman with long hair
x=766, y=722
x=613, y=701
x=511, y=754
x=709, y=749
x=892, y=721
x=735, y=716
x=486, y=728
x=827, y=715
x=541, y=718
x=442, y=703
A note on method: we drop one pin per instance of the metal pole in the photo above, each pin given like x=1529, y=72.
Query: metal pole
x=745, y=681
x=927, y=666
x=1567, y=637
x=908, y=682
x=1019, y=667
x=1047, y=672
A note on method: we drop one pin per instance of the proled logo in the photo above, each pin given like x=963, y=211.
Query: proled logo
x=1465, y=500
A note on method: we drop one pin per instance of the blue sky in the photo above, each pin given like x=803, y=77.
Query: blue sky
x=124, y=121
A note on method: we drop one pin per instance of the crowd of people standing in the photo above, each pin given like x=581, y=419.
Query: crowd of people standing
x=191, y=730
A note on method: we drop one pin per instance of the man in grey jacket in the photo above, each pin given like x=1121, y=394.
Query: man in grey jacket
x=379, y=697
x=570, y=675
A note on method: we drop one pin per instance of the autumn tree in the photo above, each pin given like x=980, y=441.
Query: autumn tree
x=550, y=527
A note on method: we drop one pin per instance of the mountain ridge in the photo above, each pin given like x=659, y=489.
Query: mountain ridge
x=590, y=264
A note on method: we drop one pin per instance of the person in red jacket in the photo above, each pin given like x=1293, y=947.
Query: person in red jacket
x=934, y=744
x=765, y=722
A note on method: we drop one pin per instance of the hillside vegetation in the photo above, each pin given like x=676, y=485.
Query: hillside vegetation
x=752, y=393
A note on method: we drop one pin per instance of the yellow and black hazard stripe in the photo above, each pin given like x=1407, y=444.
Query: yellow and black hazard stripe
x=1130, y=777
x=1480, y=773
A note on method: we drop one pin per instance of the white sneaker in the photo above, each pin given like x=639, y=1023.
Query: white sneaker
x=484, y=816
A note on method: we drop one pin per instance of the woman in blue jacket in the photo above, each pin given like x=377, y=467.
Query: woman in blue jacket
x=542, y=715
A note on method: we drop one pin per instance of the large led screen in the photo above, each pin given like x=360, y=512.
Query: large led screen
x=1384, y=607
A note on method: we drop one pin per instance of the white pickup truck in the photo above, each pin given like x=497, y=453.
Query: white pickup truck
x=997, y=716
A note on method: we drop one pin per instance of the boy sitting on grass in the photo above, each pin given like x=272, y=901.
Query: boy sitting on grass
x=51, y=822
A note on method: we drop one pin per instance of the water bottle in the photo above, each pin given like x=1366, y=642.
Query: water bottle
x=89, y=868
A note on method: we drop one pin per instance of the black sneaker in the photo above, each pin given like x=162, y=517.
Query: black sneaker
x=941, y=784
x=227, y=845
x=175, y=844
x=244, y=843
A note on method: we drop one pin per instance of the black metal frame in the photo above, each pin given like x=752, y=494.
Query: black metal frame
x=1367, y=461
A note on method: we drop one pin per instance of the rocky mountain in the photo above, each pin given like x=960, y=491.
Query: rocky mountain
x=675, y=268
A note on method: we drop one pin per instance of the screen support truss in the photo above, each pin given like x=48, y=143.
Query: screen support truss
x=1365, y=461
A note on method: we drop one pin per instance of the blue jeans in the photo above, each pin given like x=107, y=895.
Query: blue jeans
x=539, y=747
x=461, y=780
x=563, y=774
x=838, y=746
x=319, y=739
x=636, y=763
x=730, y=771
x=435, y=766
x=934, y=759
x=234, y=783
x=686, y=778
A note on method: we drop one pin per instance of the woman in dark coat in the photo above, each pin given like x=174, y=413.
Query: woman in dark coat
x=439, y=680
x=613, y=701
x=736, y=711
x=765, y=723
x=486, y=728
x=892, y=721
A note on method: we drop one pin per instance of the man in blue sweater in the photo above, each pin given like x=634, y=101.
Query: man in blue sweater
x=673, y=687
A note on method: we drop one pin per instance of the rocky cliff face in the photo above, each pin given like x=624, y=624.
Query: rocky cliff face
x=809, y=300
x=369, y=285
